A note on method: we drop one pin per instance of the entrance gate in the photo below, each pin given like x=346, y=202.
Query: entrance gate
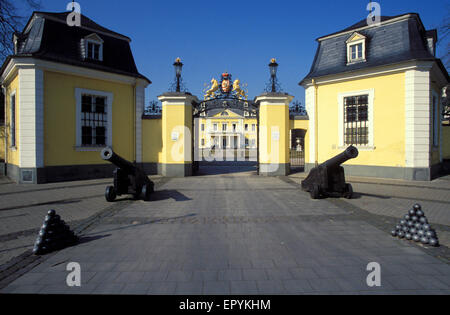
x=223, y=101
x=179, y=110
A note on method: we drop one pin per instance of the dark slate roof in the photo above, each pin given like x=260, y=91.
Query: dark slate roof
x=386, y=44
x=47, y=36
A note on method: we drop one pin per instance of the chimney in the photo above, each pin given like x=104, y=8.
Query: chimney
x=431, y=37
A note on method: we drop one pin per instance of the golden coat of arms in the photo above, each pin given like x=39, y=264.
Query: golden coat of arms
x=225, y=88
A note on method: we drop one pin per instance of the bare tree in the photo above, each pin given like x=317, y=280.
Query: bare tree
x=444, y=34
x=12, y=21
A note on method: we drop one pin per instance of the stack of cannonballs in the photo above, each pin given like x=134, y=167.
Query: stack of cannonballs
x=414, y=226
x=55, y=234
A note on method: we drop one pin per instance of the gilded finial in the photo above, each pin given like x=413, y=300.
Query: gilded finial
x=273, y=60
x=178, y=59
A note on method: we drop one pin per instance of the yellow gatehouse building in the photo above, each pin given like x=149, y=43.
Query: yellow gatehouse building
x=68, y=93
x=378, y=87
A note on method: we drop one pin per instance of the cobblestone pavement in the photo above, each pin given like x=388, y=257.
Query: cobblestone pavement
x=244, y=234
x=23, y=208
x=394, y=198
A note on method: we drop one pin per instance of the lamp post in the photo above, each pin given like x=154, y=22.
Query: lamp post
x=273, y=66
x=178, y=65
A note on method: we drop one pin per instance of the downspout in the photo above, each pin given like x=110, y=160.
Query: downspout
x=316, y=126
x=134, y=120
x=5, y=129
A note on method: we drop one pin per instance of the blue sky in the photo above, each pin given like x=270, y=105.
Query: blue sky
x=235, y=36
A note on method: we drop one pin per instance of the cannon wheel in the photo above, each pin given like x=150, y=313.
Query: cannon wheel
x=348, y=191
x=110, y=194
x=147, y=190
x=315, y=192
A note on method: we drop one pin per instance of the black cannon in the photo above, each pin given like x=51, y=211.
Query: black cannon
x=128, y=178
x=328, y=179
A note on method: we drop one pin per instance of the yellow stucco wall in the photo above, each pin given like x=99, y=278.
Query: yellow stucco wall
x=446, y=142
x=302, y=124
x=388, y=119
x=13, y=153
x=151, y=140
x=60, y=119
x=274, y=118
x=174, y=118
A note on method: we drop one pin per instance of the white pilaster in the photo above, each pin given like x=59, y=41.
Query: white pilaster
x=417, y=118
x=310, y=104
x=140, y=104
x=31, y=118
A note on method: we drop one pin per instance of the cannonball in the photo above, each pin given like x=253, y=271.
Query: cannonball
x=48, y=218
x=413, y=230
x=408, y=236
x=417, y=207
x=424, y=240
x=418, y=226
x=398, y=227
x=412, y=212
x=419, y=213
x=402, y=222
x=433, y=242
x=423, y=220
x=407, y=217
x=426, y=227
x=430, y=234
x=421, y=233
x=410, y=224
x=51, y=212
x=405, y=229
x=415, y=218
x=401, y=234
x=416, y=238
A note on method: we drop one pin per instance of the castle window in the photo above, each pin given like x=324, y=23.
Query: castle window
x=356, y=48
x=93, y=47
x=94, y=119
x=356, y=119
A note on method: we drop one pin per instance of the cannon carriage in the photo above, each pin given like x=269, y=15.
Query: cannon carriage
x=328, y=179
x=128, y=178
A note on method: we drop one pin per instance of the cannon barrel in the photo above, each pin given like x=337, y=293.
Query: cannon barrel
x=108, y=154
x=350, y=153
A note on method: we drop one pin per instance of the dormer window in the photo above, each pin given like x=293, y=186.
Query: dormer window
x=356, y=48
x=93, y=47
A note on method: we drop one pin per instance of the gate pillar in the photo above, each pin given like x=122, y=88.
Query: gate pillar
x=273, y=132
x=176, y=155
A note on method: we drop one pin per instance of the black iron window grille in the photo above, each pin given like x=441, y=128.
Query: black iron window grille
x=356, y=119
x=94, y=120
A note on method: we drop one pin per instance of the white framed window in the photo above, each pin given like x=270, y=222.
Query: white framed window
x=355, y=121
x=224, y=127
x=356, y=48
x=246, y=142
x=94, y=119
x=246, y=127
x=215, y=127
x=253, y=127
x=203, y=127
x=93, y=47
x=234, y=127
x=12, y=119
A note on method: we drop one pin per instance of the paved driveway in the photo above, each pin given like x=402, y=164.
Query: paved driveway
x=238, y=234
